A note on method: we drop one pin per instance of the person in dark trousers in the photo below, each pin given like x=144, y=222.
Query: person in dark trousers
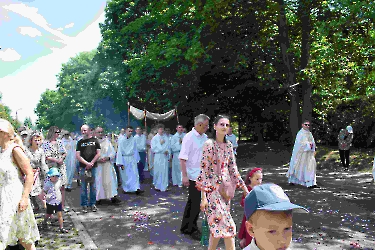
x=345, y=139
x=190, y=159
x=88, y=153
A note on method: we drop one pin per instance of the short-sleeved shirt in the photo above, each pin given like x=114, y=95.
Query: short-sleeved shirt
x=191, y=151
x=87, y=148
x=53, y=193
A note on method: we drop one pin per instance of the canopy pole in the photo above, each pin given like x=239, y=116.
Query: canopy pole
x=144, y=110
x=128, y=114
x=178, y=121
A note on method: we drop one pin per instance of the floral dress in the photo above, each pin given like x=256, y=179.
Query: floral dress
x=56, y=150
x=218, y=214
x=38, y=162
x=14, y=225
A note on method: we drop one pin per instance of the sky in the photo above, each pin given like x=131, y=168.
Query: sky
x=36, y=38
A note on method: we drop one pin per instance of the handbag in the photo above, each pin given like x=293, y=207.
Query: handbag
x=226, y=188
x=205, y=231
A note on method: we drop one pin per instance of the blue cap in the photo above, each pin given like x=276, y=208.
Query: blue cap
x=53, y=172
x=270, y=197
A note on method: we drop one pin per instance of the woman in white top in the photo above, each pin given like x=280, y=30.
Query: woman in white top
x=17, y=221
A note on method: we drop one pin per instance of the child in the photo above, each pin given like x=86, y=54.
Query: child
x=269, y=217
x=53, y=197
x=253, y=178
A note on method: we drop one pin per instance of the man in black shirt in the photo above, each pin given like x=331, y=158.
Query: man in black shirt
x=88, y=152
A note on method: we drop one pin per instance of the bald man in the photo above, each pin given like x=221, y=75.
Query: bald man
x=88, y=153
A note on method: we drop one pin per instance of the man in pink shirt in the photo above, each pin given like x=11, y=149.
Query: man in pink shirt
x=190, y=159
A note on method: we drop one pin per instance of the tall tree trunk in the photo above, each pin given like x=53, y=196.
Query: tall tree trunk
x=239, y=128
x=304, y=10
x=289, y=70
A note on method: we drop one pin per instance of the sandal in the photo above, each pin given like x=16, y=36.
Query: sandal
x=63, y=230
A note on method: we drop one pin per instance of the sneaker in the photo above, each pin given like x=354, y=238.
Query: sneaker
x=84, y=209
x=94, y=208
x=78, y=183
x=196, y=235
x=63, y=230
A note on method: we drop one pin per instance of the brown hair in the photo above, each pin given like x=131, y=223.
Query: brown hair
x=51, y=132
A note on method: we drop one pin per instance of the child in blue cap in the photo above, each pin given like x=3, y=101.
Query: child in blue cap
x=51, y=188
x=269, y=217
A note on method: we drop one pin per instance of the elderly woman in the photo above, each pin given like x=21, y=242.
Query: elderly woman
x=37, y=158
x=345, y=139
x=55, y=156
x=218, y=180
x=17, y=221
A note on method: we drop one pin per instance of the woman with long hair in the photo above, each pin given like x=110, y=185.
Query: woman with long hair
x=55, y=156
x=37, y=158
x=17, y=221
x=218, y=180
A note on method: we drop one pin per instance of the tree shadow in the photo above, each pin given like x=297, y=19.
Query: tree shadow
x=340, y=211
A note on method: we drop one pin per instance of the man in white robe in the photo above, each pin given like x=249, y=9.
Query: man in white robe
x=150, y=154
x=106, y=178
x=168, y=134
x=176, y=142
x=160, y=146
x=233, y=139
x=302, y=166
x=127, y=158
x=70, y=159
x=140, y=139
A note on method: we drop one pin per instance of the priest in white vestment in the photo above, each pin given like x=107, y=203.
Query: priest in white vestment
x=140, y=138
x=176, y=142
x=150, y=154
x=167, y=133
x=70, y=159
x=302, y=166
x=127, y=158
x=106, y=178
x=160, y=147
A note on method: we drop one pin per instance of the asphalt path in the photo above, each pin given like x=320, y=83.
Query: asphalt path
x=341, y=214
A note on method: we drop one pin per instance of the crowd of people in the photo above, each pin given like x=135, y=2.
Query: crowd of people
x=34, y=169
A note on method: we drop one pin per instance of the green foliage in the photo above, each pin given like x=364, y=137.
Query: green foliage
x=222, y=56
x=28, y=123
x=5, y=114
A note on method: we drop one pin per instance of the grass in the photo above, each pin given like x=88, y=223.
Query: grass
x=360, y=159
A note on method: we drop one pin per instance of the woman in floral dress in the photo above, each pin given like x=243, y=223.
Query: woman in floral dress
x=38, y=162
x=55, y=156
x=17, y=221
x=218, y=167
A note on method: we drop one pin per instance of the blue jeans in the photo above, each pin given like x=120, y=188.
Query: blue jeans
x=84, y=199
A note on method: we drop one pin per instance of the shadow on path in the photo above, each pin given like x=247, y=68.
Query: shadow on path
x=340, y=212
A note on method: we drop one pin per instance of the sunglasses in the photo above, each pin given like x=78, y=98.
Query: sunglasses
x=57, y=132
x=307, y=125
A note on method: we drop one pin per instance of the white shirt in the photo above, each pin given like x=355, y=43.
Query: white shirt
x=253, y=246
x=191, y=151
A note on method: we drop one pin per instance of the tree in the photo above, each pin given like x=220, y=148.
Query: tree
x=28, y=123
